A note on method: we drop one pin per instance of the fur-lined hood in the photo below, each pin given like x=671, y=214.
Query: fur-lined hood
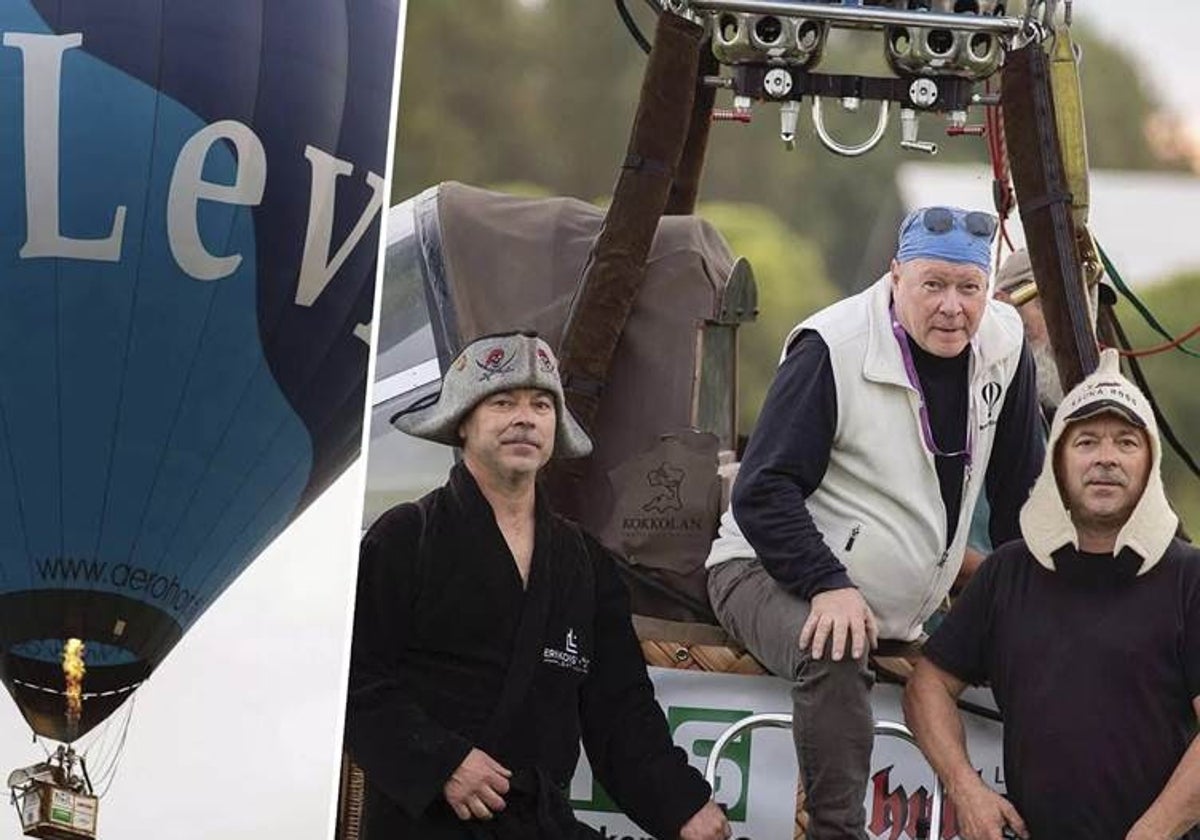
x=1045, y=521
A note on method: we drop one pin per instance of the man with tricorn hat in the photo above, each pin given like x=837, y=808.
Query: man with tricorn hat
x=1088, y=630
x=491, y=635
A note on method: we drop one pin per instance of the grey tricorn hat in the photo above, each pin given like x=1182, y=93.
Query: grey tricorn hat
x=488, y=365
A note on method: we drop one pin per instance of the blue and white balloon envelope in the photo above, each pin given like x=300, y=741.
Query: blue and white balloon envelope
x=190, y=195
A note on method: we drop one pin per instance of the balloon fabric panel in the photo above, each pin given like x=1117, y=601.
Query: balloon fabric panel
x=172, y=390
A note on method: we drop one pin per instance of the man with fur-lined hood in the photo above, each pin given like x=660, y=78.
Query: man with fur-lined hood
x=1088, y=630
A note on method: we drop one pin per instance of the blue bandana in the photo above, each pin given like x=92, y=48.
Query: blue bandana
x=950, y=234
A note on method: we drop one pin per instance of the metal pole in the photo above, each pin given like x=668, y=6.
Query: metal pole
x=775, y=720
x=865, y=15
x=891, y=729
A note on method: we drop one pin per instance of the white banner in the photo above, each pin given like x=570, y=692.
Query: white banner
x=756, y=777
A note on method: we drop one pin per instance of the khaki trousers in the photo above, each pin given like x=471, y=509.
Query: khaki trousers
x=832, y=722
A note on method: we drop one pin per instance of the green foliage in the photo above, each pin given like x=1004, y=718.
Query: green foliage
x=1117, y=105
x=1173, y=377
x=792, y=284
x=500, y=90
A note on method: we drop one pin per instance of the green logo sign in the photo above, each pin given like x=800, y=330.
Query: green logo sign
x=60, y=815
x=695, y=730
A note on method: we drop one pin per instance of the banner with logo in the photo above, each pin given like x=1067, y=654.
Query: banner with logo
x=756, y=776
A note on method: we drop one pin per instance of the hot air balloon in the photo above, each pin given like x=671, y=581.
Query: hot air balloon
x=189, y=204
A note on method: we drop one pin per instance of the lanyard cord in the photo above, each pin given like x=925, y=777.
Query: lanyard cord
x=910, y=368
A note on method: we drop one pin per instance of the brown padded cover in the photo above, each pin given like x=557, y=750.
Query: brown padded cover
x=514, y=262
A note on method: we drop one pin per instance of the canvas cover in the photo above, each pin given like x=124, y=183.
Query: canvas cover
x=650, y=490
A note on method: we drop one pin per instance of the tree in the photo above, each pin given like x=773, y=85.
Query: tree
x=1172, y=377
x=790, y=276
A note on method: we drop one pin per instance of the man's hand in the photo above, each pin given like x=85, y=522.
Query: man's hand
x=708, y=823
x=839, y=615
x=1142, y=832
x=476, y=789
x=983, y=814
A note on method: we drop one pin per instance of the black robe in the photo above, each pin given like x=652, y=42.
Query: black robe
x=451, y=652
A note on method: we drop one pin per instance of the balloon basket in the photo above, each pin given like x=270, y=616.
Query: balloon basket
x=52, y=801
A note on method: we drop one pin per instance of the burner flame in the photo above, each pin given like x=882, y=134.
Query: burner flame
x=74, y=670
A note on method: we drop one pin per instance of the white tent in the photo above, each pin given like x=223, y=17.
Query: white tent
x=1141, y=219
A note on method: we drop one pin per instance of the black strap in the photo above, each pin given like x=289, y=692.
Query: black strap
x=641, y=163
x=580, y=384
x=537, y=809
x=1060, y=219
x=1052, y=197
x=527, y=647
x=528, y=644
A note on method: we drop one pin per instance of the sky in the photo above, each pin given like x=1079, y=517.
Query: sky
x=1160, y=34
x=236, y=735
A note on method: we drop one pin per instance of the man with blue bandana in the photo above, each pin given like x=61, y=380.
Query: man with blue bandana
x=891, y=413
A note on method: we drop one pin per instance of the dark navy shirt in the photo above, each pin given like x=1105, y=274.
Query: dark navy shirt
x=1094, y=669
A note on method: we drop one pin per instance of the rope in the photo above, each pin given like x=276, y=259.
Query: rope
x=1164, y=428
x=1002, y=191
x=37, y=740
x=86, y=779
x=1112, y=272
x=109, y=773
x=632, y=26
x=1173, y=344
x=1001, y=177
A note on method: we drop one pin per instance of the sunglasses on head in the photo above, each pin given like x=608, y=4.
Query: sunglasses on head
x=974, y=222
